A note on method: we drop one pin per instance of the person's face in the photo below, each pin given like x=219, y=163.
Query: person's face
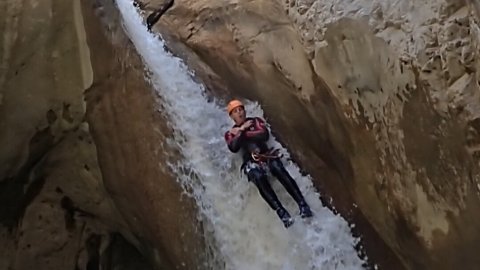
x=238, y=115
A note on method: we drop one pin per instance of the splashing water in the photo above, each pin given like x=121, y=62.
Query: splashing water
x=247, y=234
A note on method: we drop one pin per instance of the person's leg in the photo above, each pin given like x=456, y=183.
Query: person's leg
x=279, y=171
x=258, y=176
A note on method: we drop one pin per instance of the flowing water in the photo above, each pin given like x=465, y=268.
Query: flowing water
x=244, y=232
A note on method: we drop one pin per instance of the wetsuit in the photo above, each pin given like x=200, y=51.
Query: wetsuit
x=254, y=140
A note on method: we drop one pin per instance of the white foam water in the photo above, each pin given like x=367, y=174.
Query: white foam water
x=246, y=233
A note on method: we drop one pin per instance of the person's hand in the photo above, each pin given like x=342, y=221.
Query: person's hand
x=235, y=131
x=247, y=124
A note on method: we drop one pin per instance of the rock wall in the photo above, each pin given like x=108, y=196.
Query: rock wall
x=53, y=203
x=60, y=206
x=407, y=76
x=131, y=137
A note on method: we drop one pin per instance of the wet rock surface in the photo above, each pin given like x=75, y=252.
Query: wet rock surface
x=60, y=207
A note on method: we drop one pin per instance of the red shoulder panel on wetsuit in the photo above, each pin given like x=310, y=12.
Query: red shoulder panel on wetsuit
x=259, y=128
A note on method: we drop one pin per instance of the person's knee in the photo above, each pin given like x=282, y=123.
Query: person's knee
x=276, y=166
x=256, y=175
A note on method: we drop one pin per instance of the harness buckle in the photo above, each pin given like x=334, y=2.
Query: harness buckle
x=257, y=157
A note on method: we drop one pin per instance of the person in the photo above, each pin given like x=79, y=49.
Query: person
x=249, y=135
x=153, y=18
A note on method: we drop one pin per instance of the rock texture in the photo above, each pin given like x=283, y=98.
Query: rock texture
x=61, y=206
x=408, y=76
x=54, y=210
x=382, y=101
x=133, y=153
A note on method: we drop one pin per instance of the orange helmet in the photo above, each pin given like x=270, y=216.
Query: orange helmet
x=234, y=104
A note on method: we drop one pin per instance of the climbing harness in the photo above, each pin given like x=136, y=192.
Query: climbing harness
x=263, y=158
x=260, y=161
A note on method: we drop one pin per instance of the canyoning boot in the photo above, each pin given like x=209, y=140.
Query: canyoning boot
x=285, y=217
x=305, y=211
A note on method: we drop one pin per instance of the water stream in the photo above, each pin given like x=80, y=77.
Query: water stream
x=246, y=233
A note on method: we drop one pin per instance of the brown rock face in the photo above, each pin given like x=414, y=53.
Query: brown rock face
x=59, y=210
x=68, y=219
x=121, y=110
x=419, y=178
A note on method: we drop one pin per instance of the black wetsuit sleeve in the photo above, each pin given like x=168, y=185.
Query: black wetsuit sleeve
x=234, y=142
